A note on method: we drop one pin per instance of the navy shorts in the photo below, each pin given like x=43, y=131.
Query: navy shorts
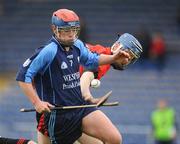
x=64, y=126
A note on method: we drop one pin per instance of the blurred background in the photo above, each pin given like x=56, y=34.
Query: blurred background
x=25, y=25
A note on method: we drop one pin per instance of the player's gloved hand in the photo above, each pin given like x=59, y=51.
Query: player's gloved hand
x=42, y=106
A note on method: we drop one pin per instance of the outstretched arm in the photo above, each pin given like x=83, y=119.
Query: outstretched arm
x=108, y=59
x=93, y=60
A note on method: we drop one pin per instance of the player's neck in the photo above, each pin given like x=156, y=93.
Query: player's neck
x=66, y=48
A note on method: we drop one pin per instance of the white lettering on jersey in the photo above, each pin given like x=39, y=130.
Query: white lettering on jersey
x=71, y=62
x=64, y=65
x=72, y=85
x=71, y=77
x=72, y=80
x=26, y=63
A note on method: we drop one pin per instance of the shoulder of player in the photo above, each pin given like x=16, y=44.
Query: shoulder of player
x=49, y=49
x=100, y=49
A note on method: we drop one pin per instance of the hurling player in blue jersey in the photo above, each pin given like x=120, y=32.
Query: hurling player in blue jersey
x=128, y=43
x=51, y=78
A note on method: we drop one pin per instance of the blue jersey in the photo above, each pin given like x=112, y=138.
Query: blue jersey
x=55, y=72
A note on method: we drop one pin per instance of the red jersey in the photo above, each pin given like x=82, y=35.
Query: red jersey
x=101, y=69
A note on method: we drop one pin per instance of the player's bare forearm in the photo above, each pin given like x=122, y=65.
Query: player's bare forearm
x=105, y=59
x=108, y=59
x=85, y=81
x=30, y=92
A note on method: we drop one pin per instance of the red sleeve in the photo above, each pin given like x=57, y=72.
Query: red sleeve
x=102, y=70
x=99, y=49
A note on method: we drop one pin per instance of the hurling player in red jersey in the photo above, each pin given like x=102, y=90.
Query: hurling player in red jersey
x=125, y=42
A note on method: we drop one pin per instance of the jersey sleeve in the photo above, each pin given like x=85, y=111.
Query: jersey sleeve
x=38, y=63
x=87, y=59
x=99, y=49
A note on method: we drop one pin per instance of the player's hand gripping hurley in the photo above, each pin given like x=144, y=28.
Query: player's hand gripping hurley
x=102, y=102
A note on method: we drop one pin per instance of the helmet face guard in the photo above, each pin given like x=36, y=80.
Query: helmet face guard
x=130, y=44
x=66, y=21
x=66, y=30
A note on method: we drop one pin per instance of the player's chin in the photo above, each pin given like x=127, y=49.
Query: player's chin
x=69, y=42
